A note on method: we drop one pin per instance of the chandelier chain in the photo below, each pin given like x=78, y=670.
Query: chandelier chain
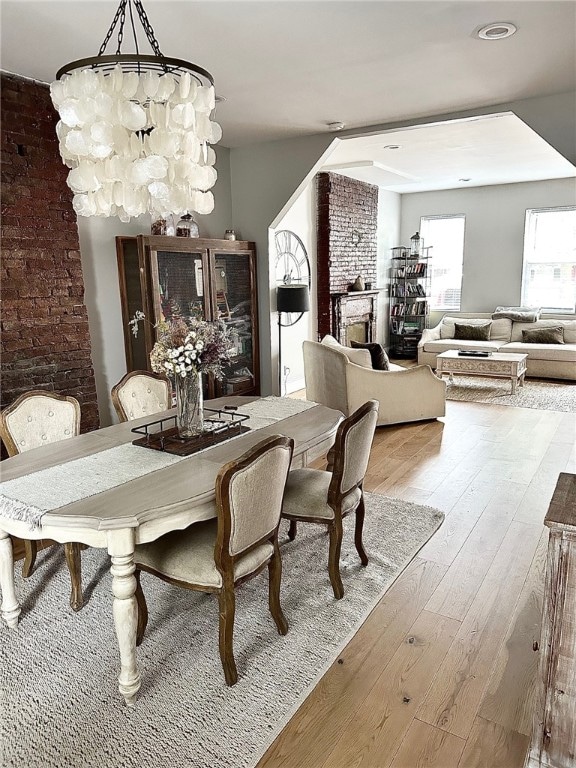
x=121, y=30
x=120, y=19
x=119, y=12
x=147, y=27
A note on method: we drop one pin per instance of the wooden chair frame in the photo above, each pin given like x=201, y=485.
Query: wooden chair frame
x=225, y=562
x=335, y=501
x=72, y=549
x=115, y=392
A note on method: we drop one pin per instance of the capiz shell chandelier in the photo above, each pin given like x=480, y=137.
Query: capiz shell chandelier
x=136, y=130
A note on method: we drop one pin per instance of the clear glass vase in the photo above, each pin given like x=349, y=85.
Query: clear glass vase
x=189, y=405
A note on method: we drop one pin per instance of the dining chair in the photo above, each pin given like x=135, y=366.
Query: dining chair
x=326, y=497
x=33, y=420
x=141, y=393
x=220, y=554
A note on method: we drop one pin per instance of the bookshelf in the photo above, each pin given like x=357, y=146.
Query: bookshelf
x=409, y=299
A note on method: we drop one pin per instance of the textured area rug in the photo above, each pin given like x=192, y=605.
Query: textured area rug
x=59, y=702
x=544, y=395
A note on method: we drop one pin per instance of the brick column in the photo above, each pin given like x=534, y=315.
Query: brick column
x=45, y=335
x=346, y=239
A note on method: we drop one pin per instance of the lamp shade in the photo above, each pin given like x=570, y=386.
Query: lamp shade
x=292, y=298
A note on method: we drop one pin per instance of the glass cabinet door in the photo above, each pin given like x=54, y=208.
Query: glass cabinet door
x=179, y=285
x=234, y=302
x=132, y=301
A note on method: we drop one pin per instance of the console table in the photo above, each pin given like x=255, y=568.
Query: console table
x=553, y=741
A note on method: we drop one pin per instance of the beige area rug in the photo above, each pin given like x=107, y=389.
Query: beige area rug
x=59, y=702
x=536, y=393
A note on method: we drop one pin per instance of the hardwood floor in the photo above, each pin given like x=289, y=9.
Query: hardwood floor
x=442, y=672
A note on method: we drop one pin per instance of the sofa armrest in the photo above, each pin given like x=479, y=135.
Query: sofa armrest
x=429, y=334
x=412, y=394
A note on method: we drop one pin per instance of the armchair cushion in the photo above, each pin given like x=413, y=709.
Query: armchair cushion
x=359, y=356
x=380, y=361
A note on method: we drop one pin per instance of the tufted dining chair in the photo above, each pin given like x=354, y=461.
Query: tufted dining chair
x=326, y=497
x=220, y=554
x=141, y=393
x=33, y=420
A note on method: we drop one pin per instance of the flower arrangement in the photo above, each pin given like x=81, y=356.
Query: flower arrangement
x=188, y=347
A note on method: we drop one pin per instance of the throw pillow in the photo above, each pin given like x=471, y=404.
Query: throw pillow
x=379, y=357
x=552, y=335
x=466, y=332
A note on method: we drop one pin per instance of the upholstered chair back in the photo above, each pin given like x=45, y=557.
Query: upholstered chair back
x=38, y=418
x=352, y=448
x=249, y=495
x=325, y=375
x=141, y=393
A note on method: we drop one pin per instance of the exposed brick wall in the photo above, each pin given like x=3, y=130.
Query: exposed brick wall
x=45, y=336
x=346, y=247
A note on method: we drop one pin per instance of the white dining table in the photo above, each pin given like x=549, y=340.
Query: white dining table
x=142, y=509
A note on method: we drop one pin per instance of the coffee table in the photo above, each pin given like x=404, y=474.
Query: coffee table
x=499, y=365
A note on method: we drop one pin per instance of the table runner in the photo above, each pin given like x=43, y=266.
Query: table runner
x=29, y=497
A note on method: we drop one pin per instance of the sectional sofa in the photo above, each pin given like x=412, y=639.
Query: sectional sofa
x=548, y=361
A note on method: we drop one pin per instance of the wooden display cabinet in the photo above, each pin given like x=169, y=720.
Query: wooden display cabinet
x=204, y=278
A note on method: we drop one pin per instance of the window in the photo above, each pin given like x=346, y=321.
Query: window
x=446, y=236
x=549, y=273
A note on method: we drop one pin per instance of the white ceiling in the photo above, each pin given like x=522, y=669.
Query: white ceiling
x=288, y=68
x=495, y=149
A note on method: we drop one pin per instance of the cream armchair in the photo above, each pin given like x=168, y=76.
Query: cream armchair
x=404, y=394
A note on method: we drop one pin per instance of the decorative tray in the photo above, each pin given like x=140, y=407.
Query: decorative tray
x=219, y=426
x=473, y=353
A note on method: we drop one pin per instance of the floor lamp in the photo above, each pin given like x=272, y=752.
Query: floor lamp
x=294, y=299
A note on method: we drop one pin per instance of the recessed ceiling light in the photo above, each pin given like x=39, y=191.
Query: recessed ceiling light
x=496, y=31
x=464, y=179
x=336, y=126
x=392, y=146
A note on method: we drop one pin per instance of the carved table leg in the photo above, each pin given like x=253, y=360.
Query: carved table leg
x=125, y=611
x=73, y=559
x=10, y=606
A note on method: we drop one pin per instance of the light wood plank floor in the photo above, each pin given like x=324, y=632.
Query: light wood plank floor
x=442, y=673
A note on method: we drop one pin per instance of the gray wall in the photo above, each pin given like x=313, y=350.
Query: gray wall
x=494, y=233
x=264, y=179
x=389, y=211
